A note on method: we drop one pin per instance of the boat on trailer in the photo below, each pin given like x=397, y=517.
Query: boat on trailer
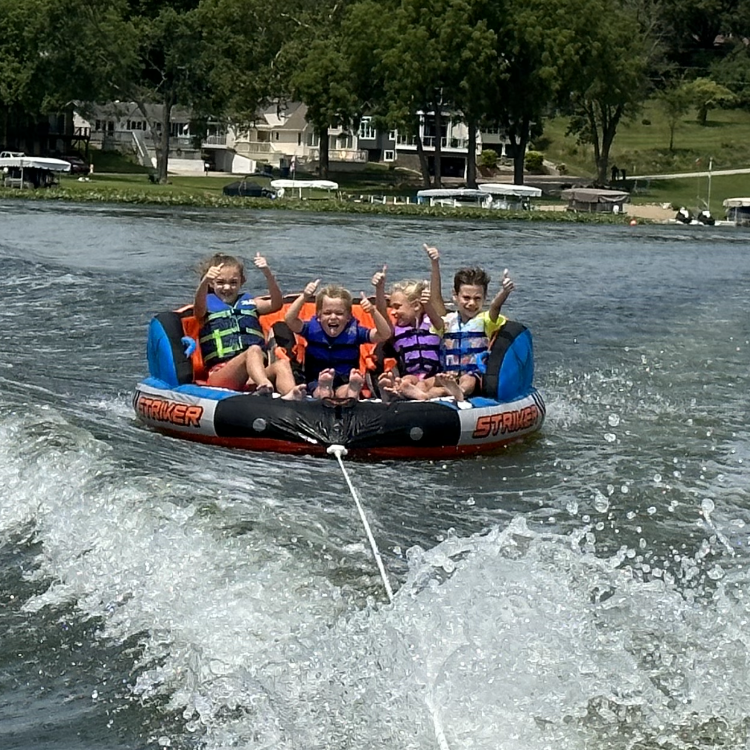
x=176, y=400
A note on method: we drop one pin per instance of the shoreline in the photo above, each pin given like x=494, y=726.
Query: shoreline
x=647, y=213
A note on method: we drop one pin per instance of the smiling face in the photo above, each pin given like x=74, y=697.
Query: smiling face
x=334, y=314
x=226, y=286
x=469, y=301
x=405, y=312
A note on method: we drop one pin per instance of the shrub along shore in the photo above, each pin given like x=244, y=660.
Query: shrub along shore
x=154, y=196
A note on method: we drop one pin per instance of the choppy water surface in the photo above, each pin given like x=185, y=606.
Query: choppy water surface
x=588, y=589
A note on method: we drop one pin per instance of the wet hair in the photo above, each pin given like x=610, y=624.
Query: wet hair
x=219, y=259
x=411, y=289
x=334, y=291
x=471, y=277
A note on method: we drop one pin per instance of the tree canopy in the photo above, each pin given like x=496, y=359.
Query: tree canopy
x=408, y=64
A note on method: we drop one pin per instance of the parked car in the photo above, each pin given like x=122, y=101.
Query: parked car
x=77, y=164
x=248, y=189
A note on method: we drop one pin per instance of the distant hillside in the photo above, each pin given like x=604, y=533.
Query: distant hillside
x=641, y=145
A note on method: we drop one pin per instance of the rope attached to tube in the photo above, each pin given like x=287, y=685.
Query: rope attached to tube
x=339, y=451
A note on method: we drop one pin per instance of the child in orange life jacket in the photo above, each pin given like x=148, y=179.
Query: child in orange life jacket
x=466, y=333
x=334, y=338
x=231, y=339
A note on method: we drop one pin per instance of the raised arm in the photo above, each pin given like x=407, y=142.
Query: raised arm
x=276, y=300
x=430, y=311
x=378, y=281
x=506, y=288
x=292, y=318
x=436, y=284
x=382, y=330
x=200, y=308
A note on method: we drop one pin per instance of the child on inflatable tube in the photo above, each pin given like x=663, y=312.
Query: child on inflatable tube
x=334, y=337
x=231, y=339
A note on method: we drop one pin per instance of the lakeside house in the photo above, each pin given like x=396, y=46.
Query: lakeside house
x=282, y=138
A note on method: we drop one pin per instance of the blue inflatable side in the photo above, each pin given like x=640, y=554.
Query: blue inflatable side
x=508, y=368
x=517, y=368
x=160, y=354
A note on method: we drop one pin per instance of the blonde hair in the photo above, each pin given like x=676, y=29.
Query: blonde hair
x=220, y=259
x=411, y=289
x=334, y=291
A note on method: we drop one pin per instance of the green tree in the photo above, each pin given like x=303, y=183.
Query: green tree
x=323, y=81
x=706, y=94
x=675, y=100
x=611, y=82
x=52, y=53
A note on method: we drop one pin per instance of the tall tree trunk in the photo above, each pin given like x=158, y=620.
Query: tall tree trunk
x=159, y=128
x=424, y=164
x=162, y=153
x=471, y=157
x=323, y=153
x=438, y=146
x=518, y=133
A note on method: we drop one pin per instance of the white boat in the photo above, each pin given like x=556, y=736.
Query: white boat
x=487, y=195
x=738, y=212
x=281, y=186
x=31, y=171
x=454, y=197
x=510, y=197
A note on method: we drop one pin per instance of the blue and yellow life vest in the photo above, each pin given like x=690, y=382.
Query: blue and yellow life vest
x=463, y=342
x=229, y=329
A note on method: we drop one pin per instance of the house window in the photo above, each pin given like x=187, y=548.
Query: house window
x=98, y=125
x=299, y=139
x=277, y=136
x=345, y=141
x=313, y=140
x=392, y=134
x=389, y=156
x=366, y=131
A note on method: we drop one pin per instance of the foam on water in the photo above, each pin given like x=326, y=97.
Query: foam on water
x=502, y=640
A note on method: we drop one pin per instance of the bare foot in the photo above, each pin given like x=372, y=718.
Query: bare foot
x=325, y=384
x=449, y=383
x=356, y=381
x=412, y=391
x=298, y=393
x=387, y=380
x=265, y=389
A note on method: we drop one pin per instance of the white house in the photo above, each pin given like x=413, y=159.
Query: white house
x=279, y=135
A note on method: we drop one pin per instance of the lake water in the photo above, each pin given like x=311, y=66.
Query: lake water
x=587, y=589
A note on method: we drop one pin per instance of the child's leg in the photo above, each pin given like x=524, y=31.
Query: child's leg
x=255, y=364
x=231, y=374
x=445, y=384
x=280, y=372
x=468, y=384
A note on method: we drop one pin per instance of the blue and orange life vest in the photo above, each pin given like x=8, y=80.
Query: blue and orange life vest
x=418, y=349
x=462, y=343
x=229, y=329
x=338, y=352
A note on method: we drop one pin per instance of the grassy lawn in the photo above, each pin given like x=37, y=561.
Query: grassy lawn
x=641, y=145
x=693, y=192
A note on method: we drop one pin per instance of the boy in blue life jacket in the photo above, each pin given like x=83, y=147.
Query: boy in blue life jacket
x=466, y=333
x=333, y=338
x=231, y=339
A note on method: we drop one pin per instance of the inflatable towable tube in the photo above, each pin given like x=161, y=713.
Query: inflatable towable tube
x=173, y=400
